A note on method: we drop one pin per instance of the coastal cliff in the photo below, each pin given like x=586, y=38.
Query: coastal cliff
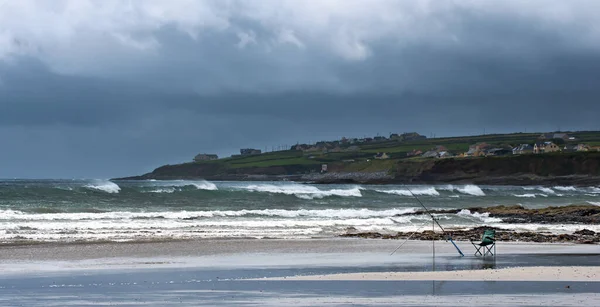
x=546, y=169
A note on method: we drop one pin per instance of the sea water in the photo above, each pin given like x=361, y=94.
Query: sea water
x=102, y=210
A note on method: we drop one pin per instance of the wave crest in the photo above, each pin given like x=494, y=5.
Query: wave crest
x=407, y=192
x=104, y=186
x=304, y=191
x=561, y=188
x=471, y=189
x=485, y=217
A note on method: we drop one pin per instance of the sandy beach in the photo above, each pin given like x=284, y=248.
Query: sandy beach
x=332, y=272
x=558, y=273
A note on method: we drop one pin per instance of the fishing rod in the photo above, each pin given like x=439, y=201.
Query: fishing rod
x=448, y=238
x=426, y=210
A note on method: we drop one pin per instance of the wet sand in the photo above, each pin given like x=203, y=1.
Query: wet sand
x=269, y=273
x=557, y=273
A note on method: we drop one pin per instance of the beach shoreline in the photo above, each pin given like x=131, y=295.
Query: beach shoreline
x=273, y=272
x=546, y=273
x=279, y=252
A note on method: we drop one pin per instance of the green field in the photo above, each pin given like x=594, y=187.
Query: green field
x=363, y=159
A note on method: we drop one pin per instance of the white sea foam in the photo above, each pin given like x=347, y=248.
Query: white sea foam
x=594, y=190
x=416, y=191
x=199, y=184
x=204, y=185
x=595, y=203
x=13, y=215
x=485, y=217
x=163, y=190
x=448, y=187
x=471, y=190
x=546, y=190
x=561, y=188
x=177, y=185
x=104, y=186
x=304, y=191
x=525, y=195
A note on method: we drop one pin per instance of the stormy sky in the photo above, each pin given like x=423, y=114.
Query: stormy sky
x=99, y=89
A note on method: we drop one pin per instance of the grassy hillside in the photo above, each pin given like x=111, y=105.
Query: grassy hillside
x=361, y=159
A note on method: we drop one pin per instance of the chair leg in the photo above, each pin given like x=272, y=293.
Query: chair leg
x=488, y=250
x=478, y=248
x=478, y=252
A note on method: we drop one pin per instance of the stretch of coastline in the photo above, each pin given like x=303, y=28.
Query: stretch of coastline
x=297, y=273
x=181, y=242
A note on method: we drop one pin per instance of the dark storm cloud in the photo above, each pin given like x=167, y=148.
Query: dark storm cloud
x=123, y=96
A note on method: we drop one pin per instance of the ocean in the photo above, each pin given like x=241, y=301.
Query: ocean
x=65, y=211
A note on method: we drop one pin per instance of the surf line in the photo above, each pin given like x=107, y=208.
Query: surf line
x=435, y=221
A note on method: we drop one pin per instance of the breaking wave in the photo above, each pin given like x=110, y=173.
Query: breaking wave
x=546, y=190
x=362, y=213
x=524, y=195
x=304, y=191
x=407, y=192
x=178, y=185
x=595, y=190
x=561, y=188
x=471, y=190
x=595, y=203
x=104, y=186
x=485, y=217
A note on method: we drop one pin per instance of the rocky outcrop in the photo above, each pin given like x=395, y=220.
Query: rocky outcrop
x=546, y=169
x=581, y=169
x=584, y=236
x=572, y=214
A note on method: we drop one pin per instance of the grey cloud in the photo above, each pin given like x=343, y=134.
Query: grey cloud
x=117, y=101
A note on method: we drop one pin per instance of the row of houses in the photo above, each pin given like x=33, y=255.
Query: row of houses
x=486, y=150
x=243, y=152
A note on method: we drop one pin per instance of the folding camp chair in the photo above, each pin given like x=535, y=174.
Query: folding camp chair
x=488, y=241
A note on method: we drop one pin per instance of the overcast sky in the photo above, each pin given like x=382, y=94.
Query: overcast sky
x=99, y=89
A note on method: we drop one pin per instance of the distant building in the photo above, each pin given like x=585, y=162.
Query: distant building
x=205, y=157
x=574, y=148
x=437, y=152
x=379, y=138
x=545, y=147
x=430, y=154
x=444, y=154
x=499, y=152
x=477, y=150
x=301, y=147
x=523, y=149
x=381, y=156
x=413, y=153
x=249, y=151
x=412, y=136
x=323, y=168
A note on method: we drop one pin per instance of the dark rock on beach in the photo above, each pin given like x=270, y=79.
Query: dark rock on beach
x=573, y=214
x=584, y=236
